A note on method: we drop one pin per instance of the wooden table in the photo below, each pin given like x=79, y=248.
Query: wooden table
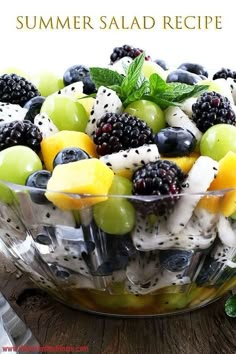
x=206, y=331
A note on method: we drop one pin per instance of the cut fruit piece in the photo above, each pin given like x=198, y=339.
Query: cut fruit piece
x=210, y=203
x=52, y=145
x=87, y=102
x=198, y=181
x=90, y=177
x=175, y=117
x=185, y=162
x=226, y=178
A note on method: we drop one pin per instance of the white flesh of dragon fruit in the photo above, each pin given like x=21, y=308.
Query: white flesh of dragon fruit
x=132, y=158
x=195, y=235
x=199, y=179
x=45, y=125
x=144, y=274
x=74, y=90
x=106, y=101
x=224, y=254
x=175, y=117
x=121, y=65
x=232, y=84
x=36, y=214
x=222, y=87
x=10, y=112
x=186, y=106
x=66, y=257
x=227, y=231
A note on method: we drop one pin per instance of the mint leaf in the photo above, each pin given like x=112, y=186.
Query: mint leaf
x=161, y=102
x=230, y=306
x=137, y=94
x=197, y=90
x=129, y=84
x=157, y=84
x=105, y=77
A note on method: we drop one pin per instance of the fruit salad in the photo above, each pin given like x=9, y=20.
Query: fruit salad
x=118, y=183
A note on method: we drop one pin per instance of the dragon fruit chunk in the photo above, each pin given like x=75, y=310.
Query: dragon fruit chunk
x=45, y=125
x=132, y=158
x=106, y=101
x=199, y=179
x=175, y=117
x=10, y=112
x=147, y=236
x=145, y=275
x=232, y=84
x=73, y=90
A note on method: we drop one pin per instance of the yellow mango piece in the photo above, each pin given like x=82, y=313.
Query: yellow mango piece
x=86, y=102
x=228, y=203
x=226, y=178
x=89, y=176
x=125, y=173
x=64, y=139
x=210, y=203
x=185, y=162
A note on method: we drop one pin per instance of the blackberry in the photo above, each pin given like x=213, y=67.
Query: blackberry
x=210, y=109
x=224, y=74
x=117, y=132
x=20, y=133
x=126, y=51
x=16, y=89
x=160, y=178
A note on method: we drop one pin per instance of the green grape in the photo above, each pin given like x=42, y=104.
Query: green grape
x=115, y=216
x=148, y=111
x=47, y=82
x=66, y=113
x=16, y=164
x=149, y=68
x=218, y=140
x=120, y=186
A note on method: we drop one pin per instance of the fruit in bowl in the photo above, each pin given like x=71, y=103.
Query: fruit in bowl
x=122, y=202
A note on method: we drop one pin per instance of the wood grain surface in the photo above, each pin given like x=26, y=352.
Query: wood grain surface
x=205, y=331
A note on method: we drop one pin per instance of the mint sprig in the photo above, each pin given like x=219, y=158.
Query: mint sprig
x=134, y=86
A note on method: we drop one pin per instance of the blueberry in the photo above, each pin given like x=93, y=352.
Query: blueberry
x=79, y=73
x=113, y=252
x=194, y=68
x=69, y=155
x=162, y=63
x=33, y=105
x=183, y=76
x=38, y=179
x=175, y=260
x=208, y=272
x=175, y=141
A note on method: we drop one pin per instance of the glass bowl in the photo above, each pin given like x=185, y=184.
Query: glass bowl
x=165, y=265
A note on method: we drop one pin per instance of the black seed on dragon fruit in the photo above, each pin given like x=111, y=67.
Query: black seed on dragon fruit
x=152, y=233
x=162, y=180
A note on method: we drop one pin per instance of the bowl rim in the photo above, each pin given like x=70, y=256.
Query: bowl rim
x=142, y=198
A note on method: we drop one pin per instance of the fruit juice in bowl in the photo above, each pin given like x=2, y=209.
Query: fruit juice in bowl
x=117, y=191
